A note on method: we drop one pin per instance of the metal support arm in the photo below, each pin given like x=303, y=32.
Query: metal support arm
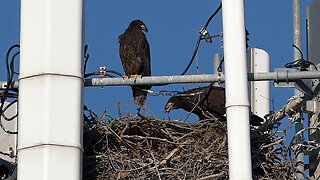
x=286, y=76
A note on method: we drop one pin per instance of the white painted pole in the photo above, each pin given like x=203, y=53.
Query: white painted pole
x=50, y=90
x=237, y=102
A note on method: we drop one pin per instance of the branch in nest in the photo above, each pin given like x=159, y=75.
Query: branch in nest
x=288, y=109
x=172, y=153
x=153, y=138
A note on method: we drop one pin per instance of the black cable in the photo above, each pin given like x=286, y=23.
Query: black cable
x=7, y=107
x=12, y=65
x=301, y=63
x=293, y=45
x=9, y=95
x=115, y=72
x=5, y=93
x=86, y=58
x=214, y=14
x=199, y=39
x=194, y=54
x=91, y=74
x=9, y=74
x=219, y=69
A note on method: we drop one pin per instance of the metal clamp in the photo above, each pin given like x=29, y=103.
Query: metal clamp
x=219, y=78
x=4, y=85
x=277, y=78
x=203, y=31
x=102, y=71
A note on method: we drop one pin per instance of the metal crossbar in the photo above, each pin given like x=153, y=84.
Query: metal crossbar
x=286, y=76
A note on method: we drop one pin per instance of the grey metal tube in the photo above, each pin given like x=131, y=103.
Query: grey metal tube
x=296, y=6
x=216, y=62
x=154, y=80
x=299, y=155
x=204, y=78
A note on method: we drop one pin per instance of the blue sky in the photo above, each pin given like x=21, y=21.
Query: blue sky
x=173, y=31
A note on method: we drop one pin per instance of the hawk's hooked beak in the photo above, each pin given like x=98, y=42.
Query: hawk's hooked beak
x=143, y=27
x=168, y=107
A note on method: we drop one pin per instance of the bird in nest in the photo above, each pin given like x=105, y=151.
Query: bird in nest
x=134, y=53
x=205, y=102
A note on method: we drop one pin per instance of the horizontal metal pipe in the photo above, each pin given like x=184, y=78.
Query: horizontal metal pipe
x=283, y=76
x=204, y=78
x=155, y=80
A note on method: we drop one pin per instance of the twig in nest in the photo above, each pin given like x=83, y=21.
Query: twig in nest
x=153, y=138
x=141, y=115
x=172, y=153
x=154, y=159
x=288, y=109
x=114, y=133
x=194, y=107
x=214, y=176
x=119, y=110
x=304, y=173
x=124, y=129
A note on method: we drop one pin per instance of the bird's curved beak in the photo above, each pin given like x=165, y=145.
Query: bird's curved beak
x=168, y=107
x=143, y=27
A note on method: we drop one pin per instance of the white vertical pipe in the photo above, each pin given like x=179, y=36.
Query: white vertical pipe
x=296, y=6
x=237, y=102
x=50, y=90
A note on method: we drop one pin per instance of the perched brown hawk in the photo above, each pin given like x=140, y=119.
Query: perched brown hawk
x=135, y=57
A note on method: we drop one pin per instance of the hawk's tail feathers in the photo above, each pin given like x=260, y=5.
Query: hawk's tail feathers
x=139, y=96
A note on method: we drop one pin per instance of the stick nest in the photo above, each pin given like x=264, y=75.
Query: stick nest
x=139, y=147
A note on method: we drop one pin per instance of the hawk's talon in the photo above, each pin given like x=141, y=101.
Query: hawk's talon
x=135, y=77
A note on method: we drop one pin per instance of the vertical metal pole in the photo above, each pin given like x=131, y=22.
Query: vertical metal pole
x=237, y=102
x=216, y=62
x=297, y=28
x=299, y=155
x=50, y=90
